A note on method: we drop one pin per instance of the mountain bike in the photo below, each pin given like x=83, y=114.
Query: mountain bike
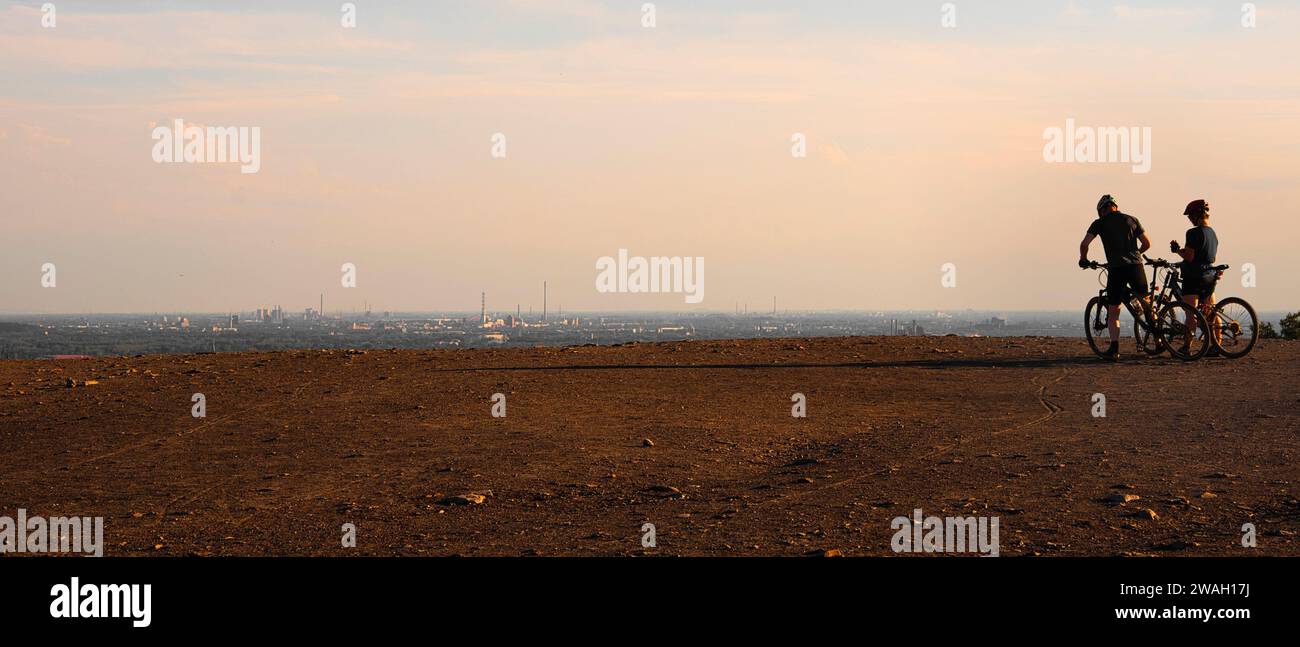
x=1197, y=336
x=1233, y=324
x=1160, y=322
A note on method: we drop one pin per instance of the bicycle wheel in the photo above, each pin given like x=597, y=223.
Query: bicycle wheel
x=1095, y=326
x=1183, y=330
x=1236, y=327
x=1147, y=340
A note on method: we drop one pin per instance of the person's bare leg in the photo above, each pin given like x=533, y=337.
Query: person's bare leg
x=1149, y=314
x=1191, y=300
x=1216, y=327
x=1112, y=323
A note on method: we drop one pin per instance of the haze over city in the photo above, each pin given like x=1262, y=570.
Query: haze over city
x=924, y=147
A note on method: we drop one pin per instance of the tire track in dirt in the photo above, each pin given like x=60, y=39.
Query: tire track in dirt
x=1052, y=410
x=194, y=494
x=197, y=428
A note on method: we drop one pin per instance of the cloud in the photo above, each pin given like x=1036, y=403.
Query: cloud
x=587, y=9
x=1125, y=11
x=284, y=43
x=39, y=136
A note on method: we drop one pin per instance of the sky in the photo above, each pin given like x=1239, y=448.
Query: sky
x=924, y=148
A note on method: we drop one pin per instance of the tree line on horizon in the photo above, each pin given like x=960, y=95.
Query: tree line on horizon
x=1288, y=328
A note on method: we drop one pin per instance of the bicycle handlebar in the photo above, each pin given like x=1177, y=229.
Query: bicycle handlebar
x=1154, y=262
x=1160, y=262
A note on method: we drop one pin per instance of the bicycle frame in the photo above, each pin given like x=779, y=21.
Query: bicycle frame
x=1171, y=290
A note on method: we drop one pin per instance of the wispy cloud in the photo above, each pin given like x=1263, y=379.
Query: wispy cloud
x=1126, y=11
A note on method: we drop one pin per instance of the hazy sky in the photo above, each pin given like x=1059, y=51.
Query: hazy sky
x=925, y=147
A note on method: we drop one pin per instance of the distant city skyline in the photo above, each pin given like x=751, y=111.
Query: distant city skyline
x=77, y=336
x=924, y=148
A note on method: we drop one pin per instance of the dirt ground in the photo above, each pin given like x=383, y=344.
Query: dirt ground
x=296, y=444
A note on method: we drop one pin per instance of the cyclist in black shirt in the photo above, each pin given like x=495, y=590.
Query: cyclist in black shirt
x=1199, y=254
x=1124, y=240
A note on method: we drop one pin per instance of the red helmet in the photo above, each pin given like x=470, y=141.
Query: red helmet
x=1196, y=207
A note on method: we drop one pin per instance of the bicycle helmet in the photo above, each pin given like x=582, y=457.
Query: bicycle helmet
x=1106, y=201
x=1196, y=207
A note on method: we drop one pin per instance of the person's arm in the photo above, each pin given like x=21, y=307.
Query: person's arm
x=1141, y=233
x=1194, y=239
x=1083, y=248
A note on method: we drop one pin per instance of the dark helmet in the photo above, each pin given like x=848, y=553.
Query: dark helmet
x=1106, y=201
x=1196, y=208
